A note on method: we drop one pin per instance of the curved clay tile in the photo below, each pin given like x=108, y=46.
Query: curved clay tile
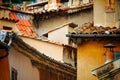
x=24, y=26
x=88, y=28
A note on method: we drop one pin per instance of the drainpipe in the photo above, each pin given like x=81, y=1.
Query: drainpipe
x=5, y=45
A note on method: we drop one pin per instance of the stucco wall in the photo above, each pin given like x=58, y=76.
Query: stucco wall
x=59, y=35
x=52, y=50
x=90, y=56
x=103, y=18
x=23, y=66
x=78, y=18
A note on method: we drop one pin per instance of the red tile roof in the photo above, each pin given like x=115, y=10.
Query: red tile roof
x=24, y=26
x=89, y=28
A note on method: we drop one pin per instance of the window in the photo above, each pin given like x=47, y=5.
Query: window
x=13, y=74
x=7, y=28
x=116, y=55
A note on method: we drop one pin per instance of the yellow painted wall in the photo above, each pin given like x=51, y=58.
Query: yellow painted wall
x=90, y=56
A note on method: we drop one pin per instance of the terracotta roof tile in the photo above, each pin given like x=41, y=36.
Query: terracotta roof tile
x=88, y=28
x=24, y=25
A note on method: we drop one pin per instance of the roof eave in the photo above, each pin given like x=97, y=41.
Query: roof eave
x=93, y=35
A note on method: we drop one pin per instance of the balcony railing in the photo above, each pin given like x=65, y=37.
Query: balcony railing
x=107, y=70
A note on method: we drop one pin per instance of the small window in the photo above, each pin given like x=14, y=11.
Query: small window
x=7, y=28
x=13, y=74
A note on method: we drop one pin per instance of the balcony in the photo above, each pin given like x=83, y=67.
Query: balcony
x=108, y=70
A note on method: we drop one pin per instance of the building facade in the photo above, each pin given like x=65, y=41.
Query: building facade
x=92, y=54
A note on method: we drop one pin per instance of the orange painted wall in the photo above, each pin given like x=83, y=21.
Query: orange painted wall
x=90, y=55
x=4, y=69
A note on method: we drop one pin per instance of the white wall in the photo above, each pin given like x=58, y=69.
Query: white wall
x=23, y=66
x=59, y=35
x=52, y=50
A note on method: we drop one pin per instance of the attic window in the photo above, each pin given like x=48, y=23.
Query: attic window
x=7, y=28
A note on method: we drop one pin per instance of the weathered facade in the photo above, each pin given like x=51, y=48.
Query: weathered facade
x=93, y=54
x=57, y=51
x=91, y=39
x=25, y=62
x=33, y=65
x=108, y=13
x=52, y=19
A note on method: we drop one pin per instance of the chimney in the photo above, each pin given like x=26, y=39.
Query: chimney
x=76, y=2
x=24, y=6
x=109, y=52
x=52, y=5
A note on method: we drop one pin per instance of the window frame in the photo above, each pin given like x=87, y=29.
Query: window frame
x=14, y=74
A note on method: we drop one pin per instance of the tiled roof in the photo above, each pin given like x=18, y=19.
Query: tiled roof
x=79, y=8
x=24, y=26
x=88, y=28
x=10, y=9
x=38, y=4
x=67, y=9
x=41, y=38
x=35, y=55
x=9, y=19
